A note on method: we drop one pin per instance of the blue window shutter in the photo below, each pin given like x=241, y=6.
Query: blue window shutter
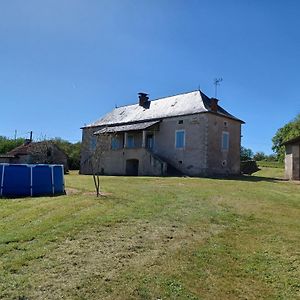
x=114, y=143
x=130, y=141
x=180, y=139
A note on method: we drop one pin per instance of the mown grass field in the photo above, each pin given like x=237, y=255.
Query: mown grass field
x=155, y=238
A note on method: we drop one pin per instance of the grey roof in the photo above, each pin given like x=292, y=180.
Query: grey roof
x=178, y=105
x=129, y=127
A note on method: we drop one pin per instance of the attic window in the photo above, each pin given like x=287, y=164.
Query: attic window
x=180, y=122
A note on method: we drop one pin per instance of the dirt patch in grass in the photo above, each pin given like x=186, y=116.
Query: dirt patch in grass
x=102, y=194
x=73, y=191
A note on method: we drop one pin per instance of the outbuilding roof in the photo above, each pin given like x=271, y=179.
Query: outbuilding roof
x=30, y=147
x=178, y=105
x=295, y=140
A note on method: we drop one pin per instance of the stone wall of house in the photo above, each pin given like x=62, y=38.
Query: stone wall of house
x=5, y=160
x=289, y=162
x=296, y=160
x=191, y=159
x=292, y=162
x=222, y=161
x=116, y=162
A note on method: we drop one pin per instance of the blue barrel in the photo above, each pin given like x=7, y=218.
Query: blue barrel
x=21, y=180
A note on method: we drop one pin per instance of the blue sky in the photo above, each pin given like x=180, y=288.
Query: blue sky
x=64, y=63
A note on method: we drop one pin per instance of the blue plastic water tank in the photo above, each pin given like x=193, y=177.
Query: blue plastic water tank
x=31, y=180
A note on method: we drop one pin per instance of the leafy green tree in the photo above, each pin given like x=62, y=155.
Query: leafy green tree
x=287, y=132
x=258, y=156
x=246, y=154
x=72, y=150
x=7, y=144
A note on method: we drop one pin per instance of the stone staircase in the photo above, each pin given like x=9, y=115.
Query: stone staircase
x=167, y=169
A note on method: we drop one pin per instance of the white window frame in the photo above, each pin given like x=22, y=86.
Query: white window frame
x=223, y=146
x=177, y=131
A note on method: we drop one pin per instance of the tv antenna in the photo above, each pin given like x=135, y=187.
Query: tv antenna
x=216, y=83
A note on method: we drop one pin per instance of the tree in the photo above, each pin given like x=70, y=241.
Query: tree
x=72, y=150
x=95, y=146
x=102, y=145
x=246, y=154
x=259, y=156
x=7, y=144
x=287, y=132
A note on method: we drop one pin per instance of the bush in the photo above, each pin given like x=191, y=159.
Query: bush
x=7, y=144
x=249, y=167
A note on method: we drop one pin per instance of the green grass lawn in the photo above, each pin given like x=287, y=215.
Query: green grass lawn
x=270, y=164
x=155, y=238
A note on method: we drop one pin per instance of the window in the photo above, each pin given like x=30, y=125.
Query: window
x=149, y=141
x=225, y=140
x=179, y=139
x=130, y=141
x=93, y=143
x=180, y=122
x=115, y=144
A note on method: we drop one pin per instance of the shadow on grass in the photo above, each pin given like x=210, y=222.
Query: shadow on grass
x=250, y=178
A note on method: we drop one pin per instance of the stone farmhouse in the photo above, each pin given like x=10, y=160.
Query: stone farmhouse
x=292, y=159
x=186, y=134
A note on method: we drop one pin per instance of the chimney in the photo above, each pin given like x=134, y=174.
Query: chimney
x=28, y=141
x=214, y=104
x=143, y=99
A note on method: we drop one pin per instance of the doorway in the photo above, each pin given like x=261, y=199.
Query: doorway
x=132, y=167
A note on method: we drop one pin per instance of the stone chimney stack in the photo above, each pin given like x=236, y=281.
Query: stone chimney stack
x=143, y=99
x=214, y=104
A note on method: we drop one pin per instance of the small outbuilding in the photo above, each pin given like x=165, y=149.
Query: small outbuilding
x=292, y=159
x=45, y=152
